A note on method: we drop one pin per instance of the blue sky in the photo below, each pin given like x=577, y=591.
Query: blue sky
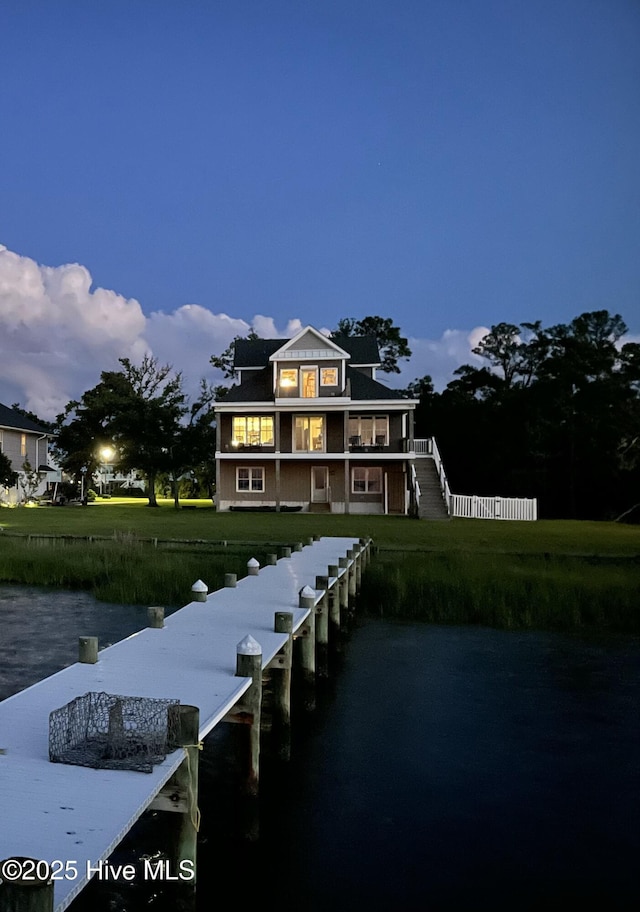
x=448, y=163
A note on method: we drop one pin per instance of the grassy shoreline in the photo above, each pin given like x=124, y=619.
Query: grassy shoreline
x=548, y=574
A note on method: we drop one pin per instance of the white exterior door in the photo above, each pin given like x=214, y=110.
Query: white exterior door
x=319, y=484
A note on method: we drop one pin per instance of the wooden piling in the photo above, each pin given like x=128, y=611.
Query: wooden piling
x=155, y=614
x=180, y=794
x=285, y=551
x=281, y=680
x=351, y=557
x=199, y=591
x=230, y=580
x=271, y=560
x=357, y=549
x=322, y=628
x=253, y=567
x=88, y=650
x=306, y=647
x=249, y=665
x=343, y=563
x=31, y=891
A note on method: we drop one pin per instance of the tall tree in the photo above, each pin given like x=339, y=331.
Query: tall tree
x=137, y=410
x=391, y=344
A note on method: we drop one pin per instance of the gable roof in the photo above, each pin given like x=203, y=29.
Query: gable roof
x=14, y=420
x=257, y=352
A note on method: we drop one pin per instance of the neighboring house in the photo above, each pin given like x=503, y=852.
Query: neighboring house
x=23, y=441
x=310, y=428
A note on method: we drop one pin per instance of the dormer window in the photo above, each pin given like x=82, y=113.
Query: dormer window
x=309, y=382
x=288, y=377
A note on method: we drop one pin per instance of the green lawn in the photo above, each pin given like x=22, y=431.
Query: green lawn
x=134, y=517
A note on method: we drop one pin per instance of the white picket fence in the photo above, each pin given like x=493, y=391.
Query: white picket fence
x=473, y=506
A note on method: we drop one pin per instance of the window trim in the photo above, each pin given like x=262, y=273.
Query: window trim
x=323, y=431
x=366, y=470
x=374, y=434
x=245, y=419
x=323, y=371
x=250, y=470
x=288, y=386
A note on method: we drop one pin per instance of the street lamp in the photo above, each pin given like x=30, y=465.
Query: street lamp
x=106, y=454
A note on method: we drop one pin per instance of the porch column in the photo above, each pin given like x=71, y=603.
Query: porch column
x=277, y=468
x=347, y=489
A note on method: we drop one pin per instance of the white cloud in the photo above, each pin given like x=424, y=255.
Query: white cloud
x=439, y=357
x=57, y=335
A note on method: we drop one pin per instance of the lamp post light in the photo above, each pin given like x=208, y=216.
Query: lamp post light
x=106, y=454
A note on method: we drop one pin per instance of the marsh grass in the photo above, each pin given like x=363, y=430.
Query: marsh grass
x=548, y=592
x=123, y=571
x=545, y=574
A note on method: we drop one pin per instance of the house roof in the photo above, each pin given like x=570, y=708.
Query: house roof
x=363, y=387
x=256, y=352
x=10, y=418
x=259, y=388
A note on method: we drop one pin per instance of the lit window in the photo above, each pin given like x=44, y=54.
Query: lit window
x=329, y=376
x=309, y=382
x=288, y=378
x=366, y=481
x=250, y=478
x=308, y=434
x=371, y=429
x=23, y=444
x=253, y=430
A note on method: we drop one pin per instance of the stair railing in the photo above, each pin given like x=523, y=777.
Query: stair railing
x=444, y=484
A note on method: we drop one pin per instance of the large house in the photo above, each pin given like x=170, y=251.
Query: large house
x=24, y=442
x=310, y=428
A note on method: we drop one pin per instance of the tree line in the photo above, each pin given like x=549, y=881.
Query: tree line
x=550, y=412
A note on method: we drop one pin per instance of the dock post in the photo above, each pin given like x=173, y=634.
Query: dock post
x=283, y=623
x=31, y=893
x=155, y=615
x=358, y=556
x=298, y=546
x=230, y=580
x=322, y=627
x=185, y=782
x=335, y=597
x=285, y=551
x=271, y=560
x=249, y=665
x=351, y=557
x=253, y=567
x=307, y=646
x=200, y=591
x=343, y=563
x=365, y=552
x=88, y=650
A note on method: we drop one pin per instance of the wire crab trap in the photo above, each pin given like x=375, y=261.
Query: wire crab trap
x=106, y=731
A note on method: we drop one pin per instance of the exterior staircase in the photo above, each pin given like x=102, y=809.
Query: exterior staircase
x=432, y=504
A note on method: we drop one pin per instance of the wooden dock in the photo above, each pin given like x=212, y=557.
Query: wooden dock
x=210, y=656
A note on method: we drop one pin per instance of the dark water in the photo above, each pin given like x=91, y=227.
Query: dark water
x=444, y=768
x=39, y=630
